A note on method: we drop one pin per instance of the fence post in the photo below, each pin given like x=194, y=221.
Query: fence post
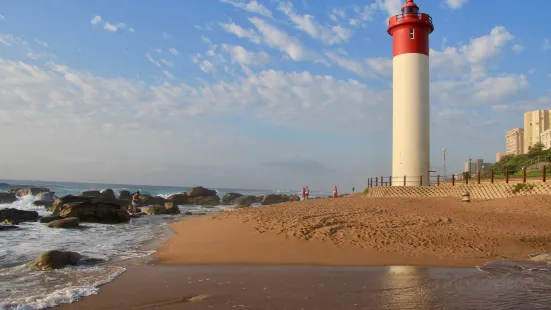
x=376, y=181
x=506, y=175
x=492, y=176
x=478, y=177
x=404, y=180
x=390, y=181
x=523, y=175
x=467, y=176
x=438, y=180
x=453, y=179
x=421, y=180
x=544, y=174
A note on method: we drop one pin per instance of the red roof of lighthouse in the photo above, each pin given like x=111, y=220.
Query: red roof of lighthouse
x=410, y=16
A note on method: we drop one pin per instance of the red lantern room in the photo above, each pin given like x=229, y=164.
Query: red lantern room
x=410, y=30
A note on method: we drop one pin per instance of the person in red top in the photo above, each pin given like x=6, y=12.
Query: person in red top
x=303, y=193
x=335, y=192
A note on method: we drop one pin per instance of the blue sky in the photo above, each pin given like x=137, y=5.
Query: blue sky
x=227, y=93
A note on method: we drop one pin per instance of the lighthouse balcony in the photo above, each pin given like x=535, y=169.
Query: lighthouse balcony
x=410, y=18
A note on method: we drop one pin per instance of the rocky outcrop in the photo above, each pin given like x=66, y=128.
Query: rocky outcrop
x=171, y=208
x=92, y=193
x=55, y=260
x=15, y=215
x=108, y=194
x=294, y=197
x=70, y=222
x=179, y=199
x=8, y=227
x=7, y=198
x=229, y=197
x=205, y=201
x=154, y=210
x=45, y=199
x=274, y=199
x=58, y=203
x=244, y=201
x=201, y=192
x=48, y=219
x=148, y=200
x=125, y=195
x=95, y=211
x=20, y=192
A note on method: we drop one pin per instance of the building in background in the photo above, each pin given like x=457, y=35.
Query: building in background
x=499, y=155
x=546, y=138
x=514, y=141
x=473, y=166
x=535, y=123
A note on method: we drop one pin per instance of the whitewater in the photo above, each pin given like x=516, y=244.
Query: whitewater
x=23, y=288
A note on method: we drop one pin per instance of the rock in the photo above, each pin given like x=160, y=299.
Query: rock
x=171, y=208
x=93, y=193
x=205, y=201
x=445, y=220
x=15, y=215
x=244, y=201
x=96, y=211
x=541, y=258
x=51, y=218
x=179, y=199
x=30, y=191
x=46, y=196
x=229, y=197
x=148, y=200
x=201, y=192
x=294, y=197
x=56, y=206
x=274, y=199
x=70, y=222
x=154, y=210
x=7, y=198
x=43, y=203
x=108, y=194
x=125, y=195
x=188, y=213
x=55, y=260
x=8, y=227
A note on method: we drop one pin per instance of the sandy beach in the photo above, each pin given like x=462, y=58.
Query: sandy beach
x=349, y=232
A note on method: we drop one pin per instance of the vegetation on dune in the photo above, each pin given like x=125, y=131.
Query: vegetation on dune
x=514, y=164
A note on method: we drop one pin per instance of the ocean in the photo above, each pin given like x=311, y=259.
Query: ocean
x=22, y=288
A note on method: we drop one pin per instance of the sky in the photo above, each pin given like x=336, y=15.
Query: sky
x=252, y=94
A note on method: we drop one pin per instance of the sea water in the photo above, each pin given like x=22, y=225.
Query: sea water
x=23, y=288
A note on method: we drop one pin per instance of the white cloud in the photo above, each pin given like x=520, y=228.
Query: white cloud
x=252, y=6
x=496, y=88
x=363, y=15
x=45, y=44
x=37, y=55
x=346, y=63
x=2, y=18
x=243, y=57
x=151, y=60
x=207, y=66
x=168, y=74
x=455, y=4
x=391, y=7
x=327, y=34
x=380, y=65
x=337, y=14
x=483, y=48
x=276, y=38
x=546, y=45
x=10, y=40
x=110, y=27
x=173, y=51
x=517, y=48
x=96, y=19
x=167, y=63
x=241, y=32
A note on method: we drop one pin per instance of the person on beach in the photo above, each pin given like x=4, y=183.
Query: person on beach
x=307, y=192
x=353, y=189
x=135, y=202
x=335, y=192
x=303, y=193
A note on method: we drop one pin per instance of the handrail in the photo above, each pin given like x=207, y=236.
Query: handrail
x=420, y=16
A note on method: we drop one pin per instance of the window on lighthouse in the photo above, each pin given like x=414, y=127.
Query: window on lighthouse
x=411, y=33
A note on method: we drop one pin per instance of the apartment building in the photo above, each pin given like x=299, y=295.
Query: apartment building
x=546, y=138
x=499, y=155
x=514, y=141
x=535, y=123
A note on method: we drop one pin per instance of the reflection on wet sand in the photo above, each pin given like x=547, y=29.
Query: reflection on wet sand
x=404, y=288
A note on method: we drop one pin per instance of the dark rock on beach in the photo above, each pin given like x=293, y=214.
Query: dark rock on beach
x=55, y=260
x=274, y=199
x=154, y=210
x=48, y=219
x=230, y=197
x=15, y=215
x=108, y=194
x=179, y=199
x=7, y=198
x=148, y=200
x=95, y=211
x=70, y=222
x=201, y=192
x=125, y=195
x=171, y=208
x=8, y=227
x=92, y=193
x=205, y=200
x=244, y=201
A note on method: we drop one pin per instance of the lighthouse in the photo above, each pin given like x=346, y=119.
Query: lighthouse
x=410, y=96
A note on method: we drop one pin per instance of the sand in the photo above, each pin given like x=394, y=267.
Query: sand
x=360, y=230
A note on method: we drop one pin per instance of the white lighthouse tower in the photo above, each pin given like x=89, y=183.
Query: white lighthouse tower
x=411, y=103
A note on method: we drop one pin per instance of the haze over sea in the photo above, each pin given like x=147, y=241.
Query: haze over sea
x=26, y=289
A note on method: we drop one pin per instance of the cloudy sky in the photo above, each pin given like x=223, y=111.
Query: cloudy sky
x=254, y=94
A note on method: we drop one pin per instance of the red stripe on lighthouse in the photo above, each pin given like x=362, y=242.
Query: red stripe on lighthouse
x=407, y=40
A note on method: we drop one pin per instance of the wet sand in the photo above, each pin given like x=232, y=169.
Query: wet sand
x=210, y=257
x=302, y=287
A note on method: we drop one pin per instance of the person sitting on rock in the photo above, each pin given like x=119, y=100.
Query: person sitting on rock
x=135, y=202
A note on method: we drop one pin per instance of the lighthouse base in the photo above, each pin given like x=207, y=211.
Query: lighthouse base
x=411, y=120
